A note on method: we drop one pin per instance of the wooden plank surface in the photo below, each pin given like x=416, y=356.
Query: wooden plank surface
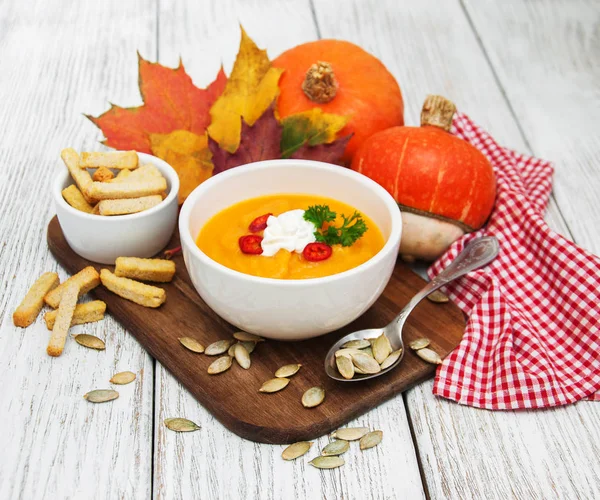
x=546, y=56
x=430, y=47
x=210, y=39
x=58, y=61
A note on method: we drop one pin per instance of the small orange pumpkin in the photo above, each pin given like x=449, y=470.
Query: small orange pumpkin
x=444, y=186
x=340, y=78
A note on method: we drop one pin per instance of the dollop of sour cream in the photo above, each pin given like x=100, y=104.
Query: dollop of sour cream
x=288, y=231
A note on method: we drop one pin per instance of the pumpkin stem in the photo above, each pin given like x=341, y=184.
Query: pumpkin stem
x=320, y=84
x=438, y=112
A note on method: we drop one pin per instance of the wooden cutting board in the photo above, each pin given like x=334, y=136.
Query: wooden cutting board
x=233, y=397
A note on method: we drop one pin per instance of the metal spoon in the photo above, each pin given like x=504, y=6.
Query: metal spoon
x=477, y=253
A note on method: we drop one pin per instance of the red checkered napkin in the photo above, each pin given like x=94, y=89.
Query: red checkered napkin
x=533, y=335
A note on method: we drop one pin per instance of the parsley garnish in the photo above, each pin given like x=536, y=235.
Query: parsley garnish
x=351, y=229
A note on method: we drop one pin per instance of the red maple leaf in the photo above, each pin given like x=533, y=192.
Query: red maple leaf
x=171, y=102
x=257, y=142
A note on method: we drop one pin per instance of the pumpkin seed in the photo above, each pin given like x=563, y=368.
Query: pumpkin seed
x=274, y=385
x=370, y=440
x=336, y=447
x=181, y=425
x=357, y=344
x=391, y=359
x=430, y=356
x=327, y=462
x=230, y=351
x=242, y=356
x=247, y=337
x=366, y=363
x=347, y=352
x=438, y=297
x=122, y=378
x=90, y=341
x=218, y=347
x=249, y=345
x=345, y=366
x=101, y=395
x=220, y=365
x=419, y=344
x=358, y=371
x=368, y=351
x=313, y=397
x=350, y=433
x=287, y=371
x=296, y=450
x=381, y=348
x=191, y=344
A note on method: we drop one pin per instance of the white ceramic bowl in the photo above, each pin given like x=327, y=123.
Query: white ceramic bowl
x=103, y=239
x=289, y=309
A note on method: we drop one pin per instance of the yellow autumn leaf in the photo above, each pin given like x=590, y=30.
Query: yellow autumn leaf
x=309, y=128
x=188, y=154
x=250, y=90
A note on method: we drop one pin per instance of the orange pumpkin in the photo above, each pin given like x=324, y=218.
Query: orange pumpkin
x=340, y=78
x=443, y=185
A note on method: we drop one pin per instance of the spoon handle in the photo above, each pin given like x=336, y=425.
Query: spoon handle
x=477, y=253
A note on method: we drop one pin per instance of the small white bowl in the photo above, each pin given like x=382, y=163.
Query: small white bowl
x=289, y=309
x=102, y=238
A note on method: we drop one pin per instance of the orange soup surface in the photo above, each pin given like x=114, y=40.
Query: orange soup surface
x=220, y=235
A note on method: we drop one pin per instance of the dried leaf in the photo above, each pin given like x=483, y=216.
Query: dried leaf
x=329, y=153
x=188, y=154
x=181, y=425
x=171, y=102
x=258, y=142
x=309, y=128
x=250, y=90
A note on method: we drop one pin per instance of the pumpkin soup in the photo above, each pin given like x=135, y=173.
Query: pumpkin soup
x=290, y=236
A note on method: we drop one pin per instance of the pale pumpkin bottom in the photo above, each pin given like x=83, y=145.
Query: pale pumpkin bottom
x=426, y=237
x=218, y=239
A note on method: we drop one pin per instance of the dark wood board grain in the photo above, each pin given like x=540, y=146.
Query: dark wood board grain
x=233, y=397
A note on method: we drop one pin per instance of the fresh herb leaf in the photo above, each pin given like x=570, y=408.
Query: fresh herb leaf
x=351, y=229
x=318, y=215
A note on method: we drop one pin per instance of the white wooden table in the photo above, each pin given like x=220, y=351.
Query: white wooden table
x=528, y=71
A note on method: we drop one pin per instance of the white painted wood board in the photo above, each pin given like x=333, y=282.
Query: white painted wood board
x=57, y=62
x=464, y=452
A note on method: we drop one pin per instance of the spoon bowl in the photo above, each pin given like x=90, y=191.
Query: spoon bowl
x=478, y=253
